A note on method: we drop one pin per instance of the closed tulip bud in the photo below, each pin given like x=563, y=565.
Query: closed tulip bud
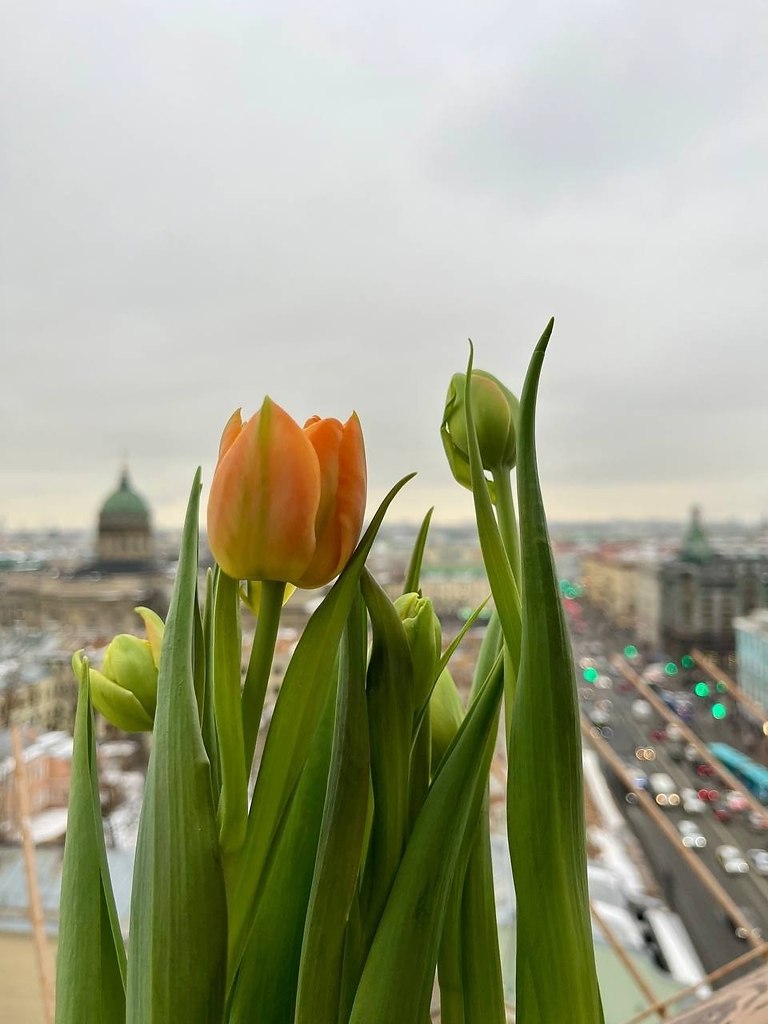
x=287, y=503
x=446, y=713
x=495, y=411
x=422, y=630
x=125, y=690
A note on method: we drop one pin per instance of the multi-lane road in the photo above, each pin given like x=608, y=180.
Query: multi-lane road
x=712, y=934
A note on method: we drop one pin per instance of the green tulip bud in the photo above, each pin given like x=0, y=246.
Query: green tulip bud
x=125, y=690
x=446, y=713
x=422, y=630
x=495, y=412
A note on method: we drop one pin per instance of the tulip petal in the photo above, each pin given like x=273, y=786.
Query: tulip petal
x=155, y=627
x=118, y=706
x=264, y=498
x=230, y=433
x=341, y=455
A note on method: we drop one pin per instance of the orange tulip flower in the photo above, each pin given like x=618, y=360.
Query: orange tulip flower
x=287, y=503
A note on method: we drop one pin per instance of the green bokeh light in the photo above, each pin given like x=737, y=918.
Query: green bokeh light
x=687, y=661
x=670, y=668
x=590, y=674
x=701, y=689
x=721, y=687
x=719, y=711
x=630, y=651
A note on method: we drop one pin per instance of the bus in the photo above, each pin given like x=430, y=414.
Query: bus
x=752, y=775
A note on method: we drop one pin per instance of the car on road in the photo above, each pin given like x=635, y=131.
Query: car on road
x=759, y=859
x=641, y=710
x=599, y=716
x=710, y=796
x=731, y=860
x=692, y=836
x=704, y=771
x=657, y=735
x=663, y=789
x=758, y=822
x=736, y=801
x=638, y=776
x=722, y=814
x=645, y=754
x=741, y=931
x=692, y=803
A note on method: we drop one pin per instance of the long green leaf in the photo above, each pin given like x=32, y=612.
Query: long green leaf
x=302, y=697
x=412, y=576
x=208, y=723
x=556, y=979
x=264, y=988
x=390, y=718
x=177, y=963
x=396, y=983
x=482, y=984
x=90, y=963
x=225, y=672
x=339, y=852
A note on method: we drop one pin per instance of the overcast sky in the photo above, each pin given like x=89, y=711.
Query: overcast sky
x=202, y=202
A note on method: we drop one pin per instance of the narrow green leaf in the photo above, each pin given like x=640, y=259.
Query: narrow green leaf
x=264, y=988
x=556, y=978
x=412, y=577
x=396, y=983
x=449, y=966
x=482, y=984
x=233, y=799
x=90, y=963
x=390, y=717
x=208, y=724
x=302, y=696
x=199, y=657
x=176, y=969
x=339, y=852
x=489, y=651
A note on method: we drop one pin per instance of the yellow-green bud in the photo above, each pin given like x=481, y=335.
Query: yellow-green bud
x=495, y=412
x=125, y=690
x=422, y=630
x=446, y=713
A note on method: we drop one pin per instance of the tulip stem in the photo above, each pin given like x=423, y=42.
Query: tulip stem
x=505, y=508
x=260, y=664
x=510, y=538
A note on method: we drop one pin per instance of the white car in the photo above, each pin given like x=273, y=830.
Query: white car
x=731, y=860
x=663, y=789
x=641, y=710
x=759, y=860
x=692, y=804
x=691, y=835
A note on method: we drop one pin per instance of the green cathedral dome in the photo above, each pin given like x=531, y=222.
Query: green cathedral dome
x=124, y=509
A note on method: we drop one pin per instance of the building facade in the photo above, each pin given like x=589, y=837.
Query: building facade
x=702, y=592
x=752, y=654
